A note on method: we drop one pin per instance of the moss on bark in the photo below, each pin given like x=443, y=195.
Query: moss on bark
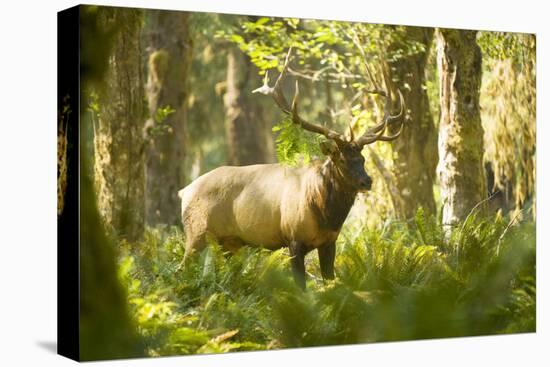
x=169, y=61
x=118, y=128
x=415, y=152
x=460, y=168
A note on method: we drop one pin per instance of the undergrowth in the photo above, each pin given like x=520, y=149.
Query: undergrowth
x=404, y=281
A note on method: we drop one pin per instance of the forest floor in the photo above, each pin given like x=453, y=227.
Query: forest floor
x=398, y=282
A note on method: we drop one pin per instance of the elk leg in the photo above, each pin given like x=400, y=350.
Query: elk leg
x=327, y=254
x=193, y=244
x=298, y=253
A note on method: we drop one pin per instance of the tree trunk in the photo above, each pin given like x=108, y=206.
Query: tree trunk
x=169, y=62
x=106, y=330
x=461, y=172
x=415, y=152
x=118, y=130
x=248, y=134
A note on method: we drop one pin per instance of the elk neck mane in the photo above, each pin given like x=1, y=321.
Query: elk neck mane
x=329, y=195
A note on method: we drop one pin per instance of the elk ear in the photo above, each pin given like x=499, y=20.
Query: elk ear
x=328, y=147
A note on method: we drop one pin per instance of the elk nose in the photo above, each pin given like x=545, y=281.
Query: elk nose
x=366, y=183
x=369, y=184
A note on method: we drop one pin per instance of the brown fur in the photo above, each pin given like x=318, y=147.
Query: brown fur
x=266, y=205
x=272, y=206
x=330, y=197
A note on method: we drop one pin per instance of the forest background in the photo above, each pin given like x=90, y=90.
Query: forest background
x=35, y=342
x=420, y=248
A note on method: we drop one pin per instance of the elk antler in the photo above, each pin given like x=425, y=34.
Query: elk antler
x=292, y=110
x=376, y=133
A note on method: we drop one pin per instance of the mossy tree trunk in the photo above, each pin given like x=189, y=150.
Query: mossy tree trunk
x=460, y=168
x=169, y=61
x=248, y=133
x=118, y=130
x=415, y=152
x=105, y=328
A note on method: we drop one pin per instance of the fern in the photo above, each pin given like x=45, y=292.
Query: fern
x=294, y=145
x=405, y=282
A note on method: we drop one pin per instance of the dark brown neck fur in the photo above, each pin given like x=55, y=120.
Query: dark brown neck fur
x=333, y=197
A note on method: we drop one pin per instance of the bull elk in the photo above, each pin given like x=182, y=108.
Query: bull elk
x=272, y=205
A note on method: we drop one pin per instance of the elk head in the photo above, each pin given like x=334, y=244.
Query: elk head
x=345, y=153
